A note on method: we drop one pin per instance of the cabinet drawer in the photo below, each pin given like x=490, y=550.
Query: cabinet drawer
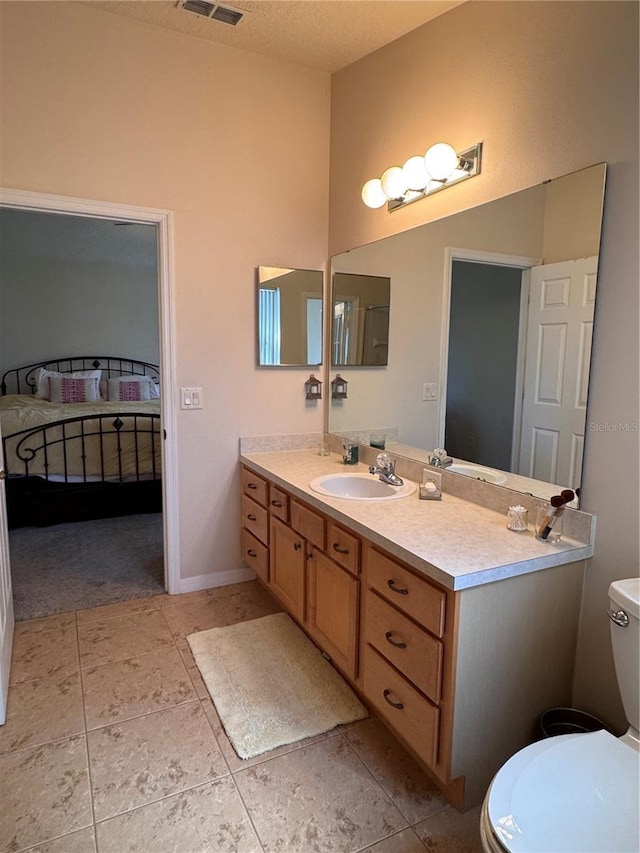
x=420, y=599
x=256, y=519
x=344, y=548
x=410, y=649
x=279, y=503
x=308, y=523
x=254, y=486
x=256, y=555
x=412, y=716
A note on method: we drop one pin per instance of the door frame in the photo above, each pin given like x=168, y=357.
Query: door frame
x=163, y=219
x=493, y=259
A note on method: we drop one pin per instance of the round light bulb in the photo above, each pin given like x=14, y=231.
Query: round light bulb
x=373, y=194
x=393, y=182
x=415, y=173
x=440, y=161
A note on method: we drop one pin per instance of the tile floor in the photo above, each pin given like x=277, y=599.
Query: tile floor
x=113, y=745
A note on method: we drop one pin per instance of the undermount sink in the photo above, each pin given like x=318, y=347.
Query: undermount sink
x=359, y=487
x=478, y=473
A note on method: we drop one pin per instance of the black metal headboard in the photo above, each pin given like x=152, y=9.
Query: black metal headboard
x=24, y=380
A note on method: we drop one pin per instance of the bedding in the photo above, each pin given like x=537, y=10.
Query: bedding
x=100, y=448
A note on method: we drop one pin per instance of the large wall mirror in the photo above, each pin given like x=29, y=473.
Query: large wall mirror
x=490, y=335
x=289, y=317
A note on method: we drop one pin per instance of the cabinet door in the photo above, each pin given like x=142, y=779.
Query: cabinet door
x=287, y=568
x=332, y=610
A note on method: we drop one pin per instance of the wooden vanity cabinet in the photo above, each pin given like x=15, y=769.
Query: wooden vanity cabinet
x=308, y=562
x=438, y=666
x=406, y=642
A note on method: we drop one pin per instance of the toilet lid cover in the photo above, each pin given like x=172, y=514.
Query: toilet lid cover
x=570, y=793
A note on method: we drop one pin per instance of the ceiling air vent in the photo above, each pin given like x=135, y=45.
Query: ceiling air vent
x=215, y=11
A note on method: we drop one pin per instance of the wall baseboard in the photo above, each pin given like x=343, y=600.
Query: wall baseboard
x=213, y=579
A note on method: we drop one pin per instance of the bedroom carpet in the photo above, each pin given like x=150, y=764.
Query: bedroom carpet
x=270, y=684
x=85, y=564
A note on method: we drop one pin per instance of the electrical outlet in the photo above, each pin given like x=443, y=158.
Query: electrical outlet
x=434, y=477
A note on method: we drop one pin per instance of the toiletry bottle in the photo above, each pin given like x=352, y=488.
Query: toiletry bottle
x=350, y=453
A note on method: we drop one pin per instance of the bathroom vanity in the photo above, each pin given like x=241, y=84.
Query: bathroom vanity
x=455, y=631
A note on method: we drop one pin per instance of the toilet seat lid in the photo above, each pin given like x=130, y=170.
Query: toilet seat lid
x=571, y=793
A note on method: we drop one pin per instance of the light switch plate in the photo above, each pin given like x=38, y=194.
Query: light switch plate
x=191, y=398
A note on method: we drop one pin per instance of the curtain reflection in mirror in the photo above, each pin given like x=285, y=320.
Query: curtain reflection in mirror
x=269, y=322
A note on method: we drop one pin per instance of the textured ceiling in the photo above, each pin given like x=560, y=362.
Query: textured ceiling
x=323, y=34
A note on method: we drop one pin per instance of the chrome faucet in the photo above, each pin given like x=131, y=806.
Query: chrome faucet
x=386, y=470
x=439, y=459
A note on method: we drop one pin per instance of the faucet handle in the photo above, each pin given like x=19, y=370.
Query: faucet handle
x=383, y=460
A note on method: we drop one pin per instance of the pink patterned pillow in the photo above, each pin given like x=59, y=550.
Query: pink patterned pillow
x=128, y=388
x=69, y=389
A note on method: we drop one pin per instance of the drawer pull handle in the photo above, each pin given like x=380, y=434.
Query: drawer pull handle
x=392, y=586
x=251, y=486
x=297, y=545
x=340, y=550
x=398, y=705
x=251, y=553
x=276, y=503
x=389, y=638
x=251, y=517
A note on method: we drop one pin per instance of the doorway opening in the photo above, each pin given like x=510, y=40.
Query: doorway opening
x=129, y=315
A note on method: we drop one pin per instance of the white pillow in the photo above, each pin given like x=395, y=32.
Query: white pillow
x=43, y=379
x=130, y=388
x=68, y=389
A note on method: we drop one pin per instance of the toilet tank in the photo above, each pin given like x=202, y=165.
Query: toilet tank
x=624, y=598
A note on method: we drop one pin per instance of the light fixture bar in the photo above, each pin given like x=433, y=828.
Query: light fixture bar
x=469, y=165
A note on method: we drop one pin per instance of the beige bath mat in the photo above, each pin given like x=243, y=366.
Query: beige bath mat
x=270, y=684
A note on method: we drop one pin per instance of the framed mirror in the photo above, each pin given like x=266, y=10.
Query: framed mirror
x=490, y=336
x=289, y=317
x=360, y=319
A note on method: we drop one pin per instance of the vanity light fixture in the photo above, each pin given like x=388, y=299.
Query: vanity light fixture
x=339, y=388
x=313, y=388
x=440, y=167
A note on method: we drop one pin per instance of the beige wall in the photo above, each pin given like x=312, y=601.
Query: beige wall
x=549, y=88
x=101, y=107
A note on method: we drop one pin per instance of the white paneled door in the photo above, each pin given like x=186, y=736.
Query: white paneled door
x=6, y=597
x=559, y=331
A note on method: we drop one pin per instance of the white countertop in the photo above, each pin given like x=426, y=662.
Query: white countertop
x=455, y=542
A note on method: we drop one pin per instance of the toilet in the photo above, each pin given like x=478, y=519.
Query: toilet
x=577, y=792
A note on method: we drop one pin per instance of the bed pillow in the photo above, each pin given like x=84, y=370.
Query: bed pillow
x=44, y=375
x=130, y=388
x=154, y=387
x=69, y=389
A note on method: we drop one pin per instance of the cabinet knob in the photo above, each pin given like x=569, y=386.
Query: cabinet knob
x=398, y=705
x=297, y=545
x=392, y=586
x=340, y=550
x=251, y=486
x=276, y=503
x=397, y=643
x=251, y=553
x=251, y=517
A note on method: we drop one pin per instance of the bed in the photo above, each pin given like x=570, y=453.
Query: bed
x=81, y=439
